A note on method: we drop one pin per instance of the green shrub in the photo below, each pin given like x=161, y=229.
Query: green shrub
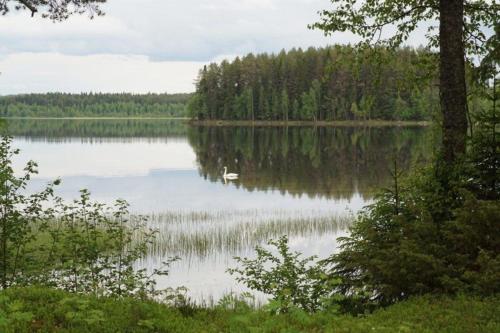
x=424, y=238
x=290, y=280
x=82, y=247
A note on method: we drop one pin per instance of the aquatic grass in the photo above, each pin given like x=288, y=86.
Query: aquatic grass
x=208, y=236
x=202, y=234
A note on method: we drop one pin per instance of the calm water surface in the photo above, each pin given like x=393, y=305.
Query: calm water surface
x=303, y=182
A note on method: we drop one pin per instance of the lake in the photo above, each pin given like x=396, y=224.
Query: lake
x=304, y=182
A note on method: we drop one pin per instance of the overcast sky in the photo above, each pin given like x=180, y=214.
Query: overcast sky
x=149, y=45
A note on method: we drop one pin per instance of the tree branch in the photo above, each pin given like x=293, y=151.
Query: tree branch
x=477, y=37
x=399, y=17
x=26, y=4
x=490, y=10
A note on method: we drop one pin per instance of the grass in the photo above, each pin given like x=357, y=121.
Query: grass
x=44, y=310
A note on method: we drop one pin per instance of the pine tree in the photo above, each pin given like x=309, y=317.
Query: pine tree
x=284, y=104
x=249, y=104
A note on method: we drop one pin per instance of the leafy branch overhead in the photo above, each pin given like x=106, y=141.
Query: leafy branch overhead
x=392, y=22
x=55, y=10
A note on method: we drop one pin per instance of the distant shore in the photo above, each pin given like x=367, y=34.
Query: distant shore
x=250, y=123
x=97, y=118
x=339, y=123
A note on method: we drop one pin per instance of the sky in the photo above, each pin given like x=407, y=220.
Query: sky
x=142, y=46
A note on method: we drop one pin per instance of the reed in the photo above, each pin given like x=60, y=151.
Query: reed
x=202, y=234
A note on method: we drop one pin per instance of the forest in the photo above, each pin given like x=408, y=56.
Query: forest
x=60, y=105
x=333, y=83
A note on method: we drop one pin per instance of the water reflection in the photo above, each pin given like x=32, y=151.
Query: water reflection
x=94, y=130
x=317, y=162
x=303, y=182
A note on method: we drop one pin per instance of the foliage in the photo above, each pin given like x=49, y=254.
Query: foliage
x=58, y=105
x=488, y=69
x=54, y=10
x=423, y=238
x=368, y=19
x=291, y=280
x=83, y=247
x=18, y=215
x=95, y=249
x=484, y=156
x=45, y=310
x=318, y=84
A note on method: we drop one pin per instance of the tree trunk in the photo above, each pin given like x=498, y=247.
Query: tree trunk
x=452, y=79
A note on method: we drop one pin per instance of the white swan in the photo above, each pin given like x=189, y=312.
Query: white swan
x=229, y=175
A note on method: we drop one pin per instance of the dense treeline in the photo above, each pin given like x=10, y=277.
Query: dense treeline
x=94, y=105
x=334, y=83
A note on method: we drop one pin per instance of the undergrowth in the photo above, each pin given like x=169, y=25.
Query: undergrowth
x=45, y=310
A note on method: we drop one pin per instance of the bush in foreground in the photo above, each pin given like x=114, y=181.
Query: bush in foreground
x=81, y=247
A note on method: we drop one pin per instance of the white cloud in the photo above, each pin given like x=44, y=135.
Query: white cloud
x=171, y=30
x=45, y=72
x=18, y=26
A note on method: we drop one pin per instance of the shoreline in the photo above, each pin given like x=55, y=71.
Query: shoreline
x=299, y=123
x=250, y=123
x=97, y=118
